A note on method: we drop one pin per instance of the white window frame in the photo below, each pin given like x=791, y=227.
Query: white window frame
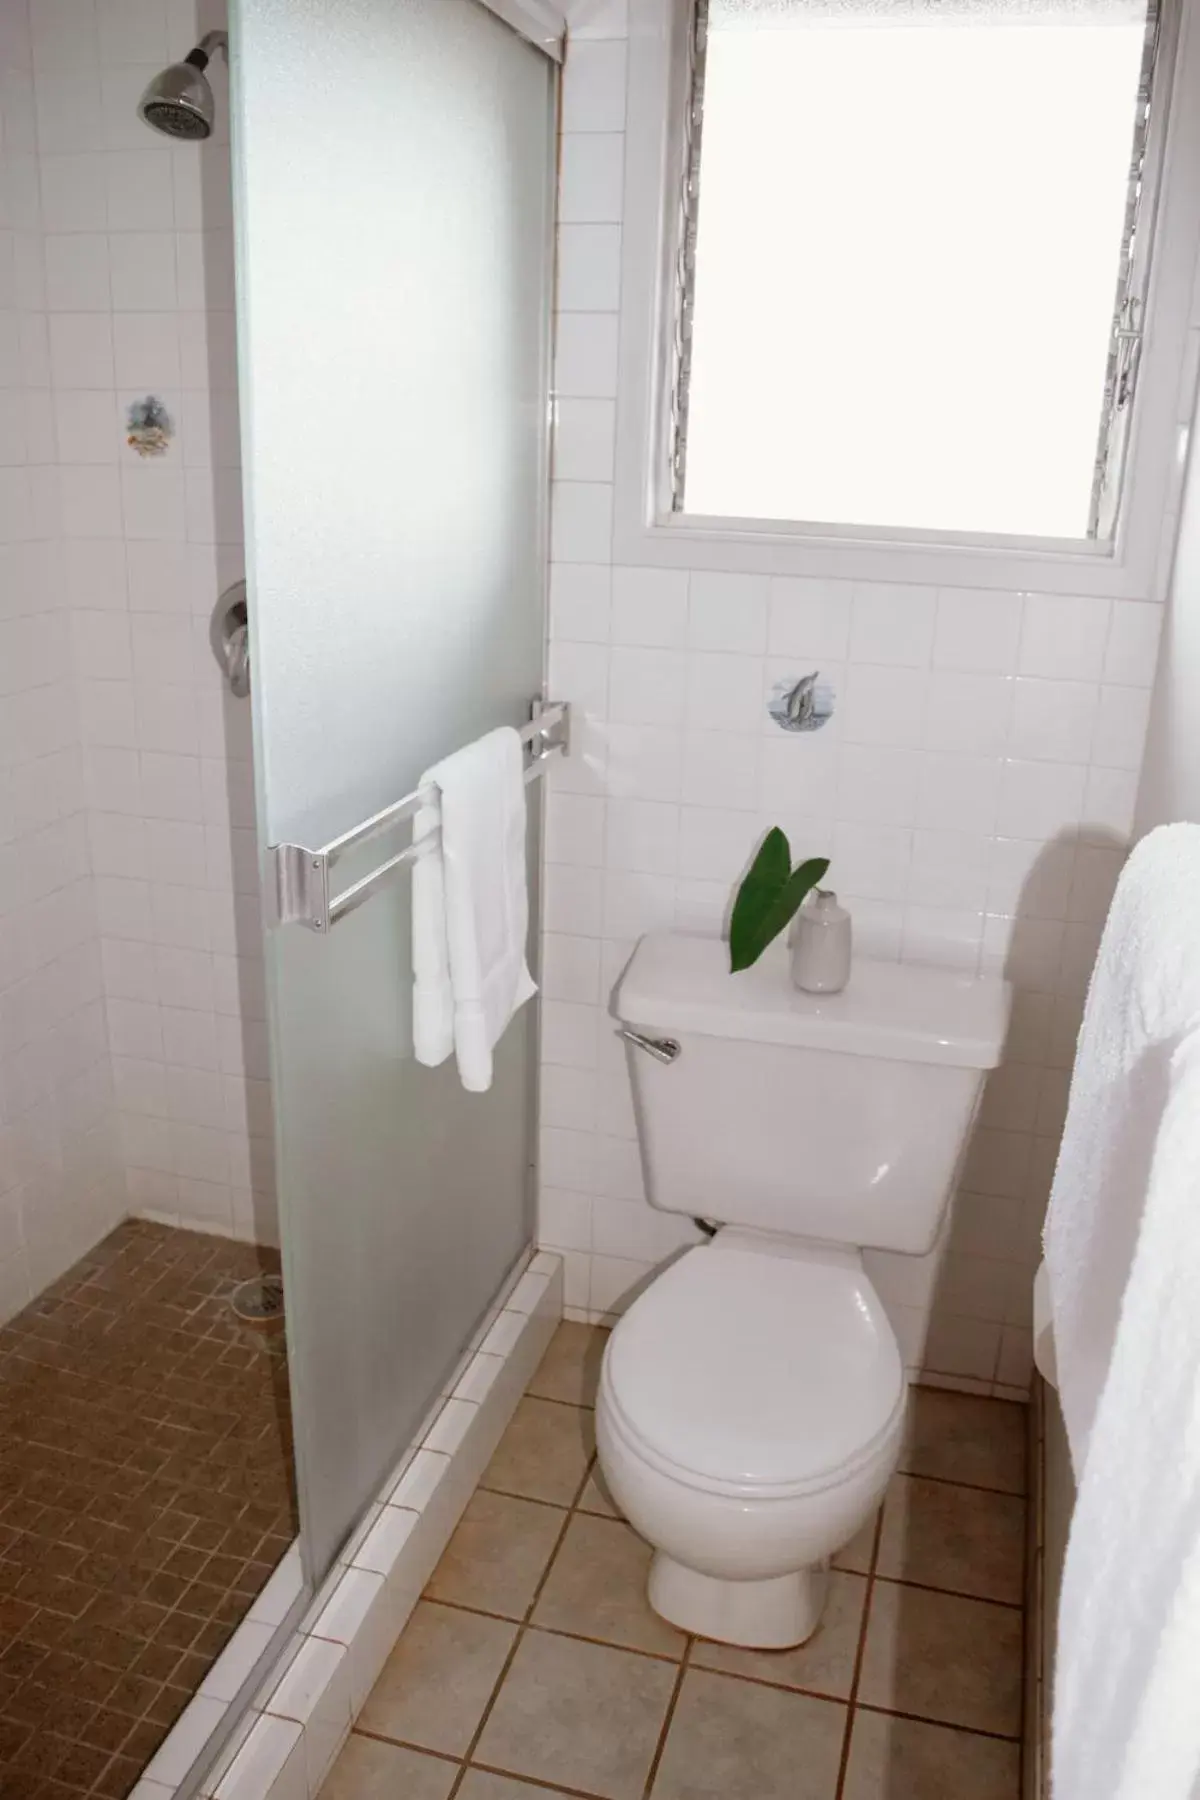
x=648, y=533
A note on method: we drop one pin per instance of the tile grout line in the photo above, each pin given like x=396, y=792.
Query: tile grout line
x=668, y=1717
x=457, y=1762
x=381, y=1737
x=972, y=1487
x=557, y=1400
x=529, y=1499
x=519, y=1637
x=931, y=1587
x=860, y=1651
x=894, y=1712
x=536, y=1781
x=572, y=1637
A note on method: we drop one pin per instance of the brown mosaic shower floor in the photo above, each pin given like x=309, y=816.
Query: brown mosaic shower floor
x=146, y=1494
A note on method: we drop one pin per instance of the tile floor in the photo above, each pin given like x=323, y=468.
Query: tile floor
x=146, y=1494
x=534, y=1664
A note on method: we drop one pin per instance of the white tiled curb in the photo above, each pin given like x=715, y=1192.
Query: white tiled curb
x=306, y=1707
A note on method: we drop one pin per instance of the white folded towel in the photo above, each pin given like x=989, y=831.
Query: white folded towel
x=1123, y=1258
x=470, y=906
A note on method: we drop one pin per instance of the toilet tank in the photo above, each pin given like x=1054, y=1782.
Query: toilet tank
x=841, y=1117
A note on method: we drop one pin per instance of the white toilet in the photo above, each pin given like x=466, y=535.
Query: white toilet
x=752, y=1399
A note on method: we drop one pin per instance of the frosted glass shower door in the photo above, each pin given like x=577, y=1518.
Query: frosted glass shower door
x=394, y=183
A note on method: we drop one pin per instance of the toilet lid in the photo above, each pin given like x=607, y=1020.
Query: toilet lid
x=744, y=1369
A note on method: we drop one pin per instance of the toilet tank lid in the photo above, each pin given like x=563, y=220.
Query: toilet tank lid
x=904, y=1011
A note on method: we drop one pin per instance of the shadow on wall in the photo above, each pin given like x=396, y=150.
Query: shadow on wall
x=220, y=361
x=981, y=1273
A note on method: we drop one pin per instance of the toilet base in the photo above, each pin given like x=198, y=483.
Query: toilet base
x=776, y=1614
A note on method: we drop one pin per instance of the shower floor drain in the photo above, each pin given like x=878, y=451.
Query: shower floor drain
x=259, y=1301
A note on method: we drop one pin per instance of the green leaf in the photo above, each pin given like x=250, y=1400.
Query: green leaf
x=768, y=897
x=760, y=887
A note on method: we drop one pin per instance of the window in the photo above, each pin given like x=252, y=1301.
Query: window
x=912, y=264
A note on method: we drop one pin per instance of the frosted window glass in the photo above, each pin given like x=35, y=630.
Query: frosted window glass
x=909, y=234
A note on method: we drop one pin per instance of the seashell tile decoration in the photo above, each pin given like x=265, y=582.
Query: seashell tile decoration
x=149, y=427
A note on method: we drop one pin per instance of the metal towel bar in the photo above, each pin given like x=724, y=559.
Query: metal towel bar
x=302, y=887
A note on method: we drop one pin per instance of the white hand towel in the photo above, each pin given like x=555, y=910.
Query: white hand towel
x=1144, y=997
x=1123, y=1259
x=470, y=912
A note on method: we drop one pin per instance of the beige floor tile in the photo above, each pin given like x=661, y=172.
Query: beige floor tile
x=856, y=1555
x=899, y=1759
x=944, y=1658
x=735, y=1740
x=960, y=1437
x=825, y=1665
x=481, y=1784
x=570, y=1369
x=578, y=1714
x=498, y=1554
x=437, y=1681
x=369, y=1770
x=954, y=1537
x=597, y=1588
x=544, y=1452
x=596, y=1498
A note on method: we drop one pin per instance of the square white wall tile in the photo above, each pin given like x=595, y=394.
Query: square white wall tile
x=584, y=439
x=585, y=356
x=581, y=522
x=593, y=94
x=589, y=268
x=1064, y=636
x=977, y=632
x=893, y=625
x=591, y=178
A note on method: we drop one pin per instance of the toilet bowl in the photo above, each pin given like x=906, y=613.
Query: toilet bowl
x=749, y=1417
x=751, y=1401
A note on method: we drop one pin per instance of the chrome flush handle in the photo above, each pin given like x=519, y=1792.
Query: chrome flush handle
x=663, y=1050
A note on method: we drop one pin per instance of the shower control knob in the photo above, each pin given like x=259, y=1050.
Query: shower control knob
x=230, y=638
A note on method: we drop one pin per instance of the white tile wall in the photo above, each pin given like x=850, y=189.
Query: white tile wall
x=59, y=1184
x=128, y=876
x=974, y=790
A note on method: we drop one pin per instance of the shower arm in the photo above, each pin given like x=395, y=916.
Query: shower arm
x=207, y=48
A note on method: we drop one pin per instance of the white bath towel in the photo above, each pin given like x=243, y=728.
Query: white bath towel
x=1126, y=1718
x=1123, y=1258
x=470, y=908
x=1143, y=999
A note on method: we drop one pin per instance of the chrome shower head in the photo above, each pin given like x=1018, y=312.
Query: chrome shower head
x=179, y=102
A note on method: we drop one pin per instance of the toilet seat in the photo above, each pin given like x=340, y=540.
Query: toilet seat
x=755, y=1374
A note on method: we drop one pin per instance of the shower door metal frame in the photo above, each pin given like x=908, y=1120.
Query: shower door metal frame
x=540, y=24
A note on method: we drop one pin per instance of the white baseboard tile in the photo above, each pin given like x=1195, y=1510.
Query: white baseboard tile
x=307, y=1706
x=271, y=1761
x=316, y=1694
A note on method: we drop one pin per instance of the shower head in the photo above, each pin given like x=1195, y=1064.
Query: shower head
x=179, y=102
